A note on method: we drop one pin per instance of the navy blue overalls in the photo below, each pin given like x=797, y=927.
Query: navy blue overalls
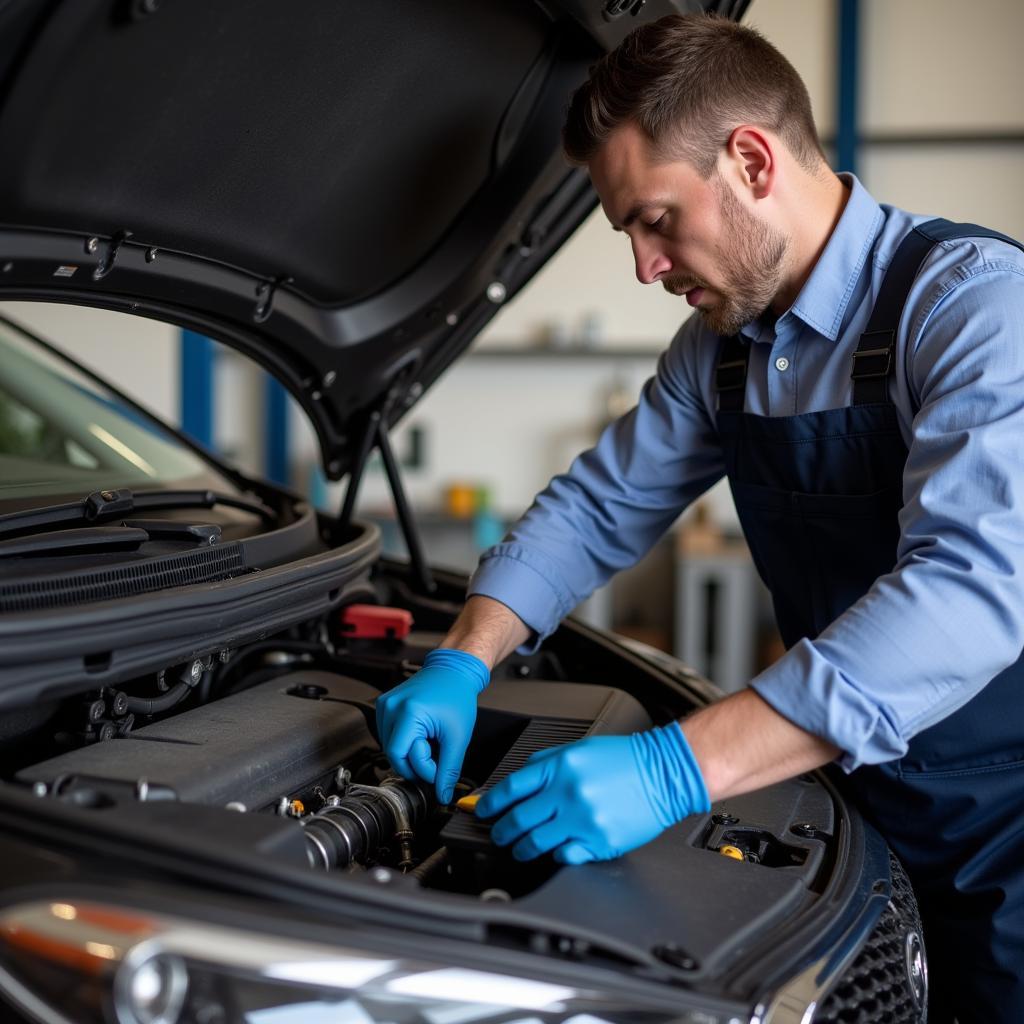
x=818, y=495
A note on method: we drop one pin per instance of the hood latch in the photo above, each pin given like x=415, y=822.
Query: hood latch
x=265, y=294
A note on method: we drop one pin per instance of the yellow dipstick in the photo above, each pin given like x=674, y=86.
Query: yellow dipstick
x=298, y=807
x=731, y=851
x=468, y=803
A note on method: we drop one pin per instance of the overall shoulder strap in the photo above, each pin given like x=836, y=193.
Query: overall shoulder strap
x=731, y=374
x=875, y=358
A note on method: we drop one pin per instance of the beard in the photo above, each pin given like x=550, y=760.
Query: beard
x=751, y=254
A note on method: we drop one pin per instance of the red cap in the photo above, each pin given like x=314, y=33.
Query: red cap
x=374, y=622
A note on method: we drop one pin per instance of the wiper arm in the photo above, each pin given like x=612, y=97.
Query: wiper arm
x=104, y=505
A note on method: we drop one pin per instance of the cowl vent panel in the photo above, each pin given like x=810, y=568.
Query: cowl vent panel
x=217, y=563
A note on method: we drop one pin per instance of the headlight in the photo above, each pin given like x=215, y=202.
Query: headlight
x=73, y=962
x=150, y=987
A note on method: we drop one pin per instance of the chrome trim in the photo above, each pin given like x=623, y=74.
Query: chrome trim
x=917, y=968
x=796, y=1000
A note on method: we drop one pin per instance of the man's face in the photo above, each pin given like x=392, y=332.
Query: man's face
x=691, y=234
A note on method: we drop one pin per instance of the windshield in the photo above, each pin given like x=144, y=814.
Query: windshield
x=61, y=433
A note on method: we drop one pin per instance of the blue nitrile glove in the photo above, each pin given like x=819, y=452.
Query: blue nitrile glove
x=596, y=798
x=438, y=703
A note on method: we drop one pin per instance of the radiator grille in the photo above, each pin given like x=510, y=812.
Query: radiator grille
x=876, y=987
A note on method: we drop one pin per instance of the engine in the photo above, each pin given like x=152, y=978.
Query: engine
x=299, y=751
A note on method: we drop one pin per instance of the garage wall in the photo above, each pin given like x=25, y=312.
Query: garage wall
x=940, y=67
x=937, y=65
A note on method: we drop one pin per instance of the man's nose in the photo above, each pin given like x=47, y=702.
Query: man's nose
x=650, y=262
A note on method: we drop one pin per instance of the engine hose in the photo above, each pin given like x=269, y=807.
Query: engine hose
x=154, y=705
x=435, y=863
x=366, y=818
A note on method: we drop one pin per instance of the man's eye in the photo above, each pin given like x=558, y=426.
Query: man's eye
x=660, y=222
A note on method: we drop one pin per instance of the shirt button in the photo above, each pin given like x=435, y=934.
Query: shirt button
x=782, y=364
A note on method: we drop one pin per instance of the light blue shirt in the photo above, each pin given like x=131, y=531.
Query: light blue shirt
x=950, y=616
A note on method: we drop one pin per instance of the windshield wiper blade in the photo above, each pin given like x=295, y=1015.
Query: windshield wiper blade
x=200, y=499
x=75, y=541
x=101, y=506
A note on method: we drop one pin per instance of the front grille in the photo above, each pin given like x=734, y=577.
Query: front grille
x=877, y=987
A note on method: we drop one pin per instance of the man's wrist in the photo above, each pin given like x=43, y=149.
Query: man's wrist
x=671, y=772
x=474, y=648
x=487, y=629
x=468, y=665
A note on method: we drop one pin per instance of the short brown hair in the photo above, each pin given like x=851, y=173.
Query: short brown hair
x=687, y=81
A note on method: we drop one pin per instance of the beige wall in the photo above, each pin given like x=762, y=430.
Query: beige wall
x=945, y=67
x=940, y=65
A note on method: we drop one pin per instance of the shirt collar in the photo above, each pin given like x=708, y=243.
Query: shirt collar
x=822, y=301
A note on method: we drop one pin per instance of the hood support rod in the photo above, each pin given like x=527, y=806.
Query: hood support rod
x=377, y=432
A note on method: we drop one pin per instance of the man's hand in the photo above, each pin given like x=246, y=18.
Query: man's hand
x=597, y=798
x=438, y=703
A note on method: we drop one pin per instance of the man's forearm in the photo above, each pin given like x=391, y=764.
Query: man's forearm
x=487, y=629
x=742, y=743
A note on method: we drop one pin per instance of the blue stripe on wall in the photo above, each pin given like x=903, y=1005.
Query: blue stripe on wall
x=275, y=446
x=847, y=126
x=197, y=355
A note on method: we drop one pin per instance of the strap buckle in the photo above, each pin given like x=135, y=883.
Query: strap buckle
x=731, y=376
x=874, y=370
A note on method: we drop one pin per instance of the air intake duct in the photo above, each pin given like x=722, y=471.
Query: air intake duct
x=353, y=827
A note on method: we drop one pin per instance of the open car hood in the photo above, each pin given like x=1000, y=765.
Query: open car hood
x=345, y=192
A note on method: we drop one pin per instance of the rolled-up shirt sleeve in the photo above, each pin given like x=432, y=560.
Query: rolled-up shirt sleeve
x=614, y=502
x=929, y=635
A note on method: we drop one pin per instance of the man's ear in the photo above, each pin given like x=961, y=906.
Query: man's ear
x=752, y=155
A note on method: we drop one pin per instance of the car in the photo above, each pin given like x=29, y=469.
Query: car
x=197, y=823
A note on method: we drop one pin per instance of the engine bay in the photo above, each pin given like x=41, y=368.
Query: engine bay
x=271, y=749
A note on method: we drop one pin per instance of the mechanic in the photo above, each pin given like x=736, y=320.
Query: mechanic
x=861, y=384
